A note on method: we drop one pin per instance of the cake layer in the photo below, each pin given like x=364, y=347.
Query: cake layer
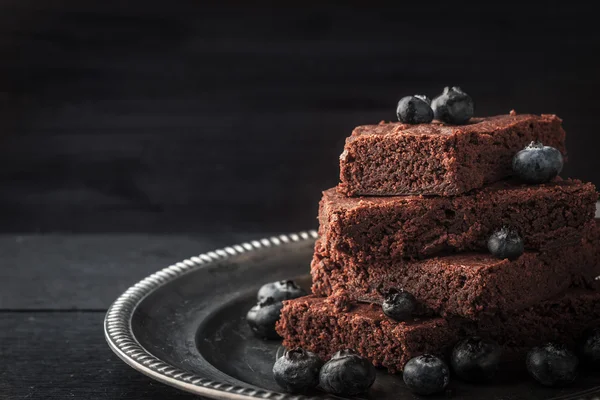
x=325, y=326
x=470, y=285
x=370, y=229
x=436, y=159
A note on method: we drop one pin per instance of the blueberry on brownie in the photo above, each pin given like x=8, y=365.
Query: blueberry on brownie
x=399, y=305
x=414, y=110
x=506, y=243
x=453, y=106
x=537, y=163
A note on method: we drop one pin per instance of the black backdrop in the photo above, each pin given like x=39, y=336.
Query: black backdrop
x=166, y=116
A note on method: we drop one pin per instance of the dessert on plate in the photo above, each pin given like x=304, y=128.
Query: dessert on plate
x=449, y=229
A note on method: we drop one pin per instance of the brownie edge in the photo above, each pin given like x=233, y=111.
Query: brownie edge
x=435, y=159
x=314, y=323
x=373, y=229
x=469, y=285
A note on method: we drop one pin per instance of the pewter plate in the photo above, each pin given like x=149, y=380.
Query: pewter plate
x=185, y=326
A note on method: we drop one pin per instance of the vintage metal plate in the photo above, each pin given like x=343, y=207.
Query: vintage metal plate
x=185, y=326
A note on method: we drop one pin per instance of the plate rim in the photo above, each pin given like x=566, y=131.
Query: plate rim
x=119, y=335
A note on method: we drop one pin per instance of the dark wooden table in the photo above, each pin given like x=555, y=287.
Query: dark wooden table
x=54, y=292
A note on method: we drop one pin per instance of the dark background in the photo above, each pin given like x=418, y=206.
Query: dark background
x=134, y=134
x=152, y=116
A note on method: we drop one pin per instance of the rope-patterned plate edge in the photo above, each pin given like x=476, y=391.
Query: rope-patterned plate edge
x=120, y=338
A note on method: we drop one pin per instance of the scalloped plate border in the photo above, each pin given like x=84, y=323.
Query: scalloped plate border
x=121, y=340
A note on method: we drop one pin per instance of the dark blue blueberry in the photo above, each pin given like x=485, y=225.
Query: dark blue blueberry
x=537, y=163
x=263, y=317
x=347, y=374
x=475, y=359
x=281, y=290
x=399, y=305
x=414, y=110
x=426, y=374
x=589, y=347
x=453, y=106
x=298, y=370
x=506, y=243
x=552, y=365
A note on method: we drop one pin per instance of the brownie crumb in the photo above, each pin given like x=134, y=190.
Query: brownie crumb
x=513, y=113
x=341, y=301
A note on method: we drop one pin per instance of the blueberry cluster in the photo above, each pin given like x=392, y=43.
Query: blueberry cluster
x=535, y=164
x=473, y=359
x=453, y=106
x=298, y=370
x=264, y=315
x=477, y=360
x=345, y=374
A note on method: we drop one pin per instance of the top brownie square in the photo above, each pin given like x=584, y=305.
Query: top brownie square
x=436, y=159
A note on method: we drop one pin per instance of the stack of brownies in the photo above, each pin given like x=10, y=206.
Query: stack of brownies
x=414, y=211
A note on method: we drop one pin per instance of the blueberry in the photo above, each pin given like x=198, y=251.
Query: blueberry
x=426, y=374
x=424, y=98
x=298, y=370
x=506, y=243
x=453, y=106
x=263, y=317
x=281, y=290
x=399, y=305
x=537, y=163
x=589, y=346
x=414, y=110
x=552, y=365
x=475, y=359
x=347, y=373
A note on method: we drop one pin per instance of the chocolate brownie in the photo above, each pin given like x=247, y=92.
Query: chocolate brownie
x=470, y=285
x=436, y=159
x=371, y=229
x=316, y=324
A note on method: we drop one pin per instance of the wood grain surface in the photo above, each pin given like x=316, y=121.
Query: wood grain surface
x=56, y=356
x=54, y=292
